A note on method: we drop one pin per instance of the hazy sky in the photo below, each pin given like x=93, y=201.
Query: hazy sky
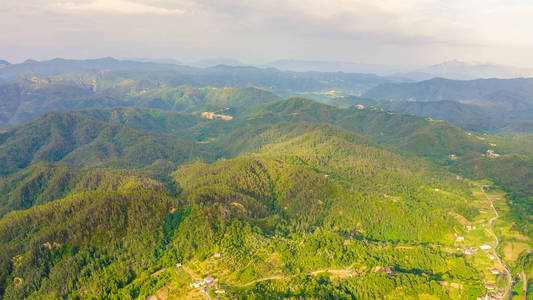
x=370, y=31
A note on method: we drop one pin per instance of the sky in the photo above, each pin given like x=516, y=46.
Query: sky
x=393, y=32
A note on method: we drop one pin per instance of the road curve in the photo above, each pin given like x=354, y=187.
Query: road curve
x=496, y=244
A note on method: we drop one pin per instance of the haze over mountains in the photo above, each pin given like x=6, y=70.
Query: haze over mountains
x=453, y=69
x=482, y=104
x=132, y=179
x=291, y=149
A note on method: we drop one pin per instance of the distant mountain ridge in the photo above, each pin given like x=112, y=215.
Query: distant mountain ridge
x=32, y=96
x=219, y=75
x=447, y=89
x=460, y=70
x=62, y=66
x=207, y=63
x=333, y=66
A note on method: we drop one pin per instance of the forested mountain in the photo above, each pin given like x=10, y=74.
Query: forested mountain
x=142, y=186
x=32, y=96
x=446, y=89
x=282, y=189
x=417, y=135
x=468, y=116
x=80, y=142
x=33, y=88
x=38, y=87
x=218, y=76
x=481, y=104
x=460, y=70
x=305, y=191
x=63, y=66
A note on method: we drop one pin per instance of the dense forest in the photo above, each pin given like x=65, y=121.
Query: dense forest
x=143, y=187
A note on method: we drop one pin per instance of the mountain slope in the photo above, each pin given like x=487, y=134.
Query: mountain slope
x=266, y=212
x=445, y=89
x=460, y=70
x=32, y=96
x=41, y=183
x=84, y=142
x=413, y=134
x=286, y=198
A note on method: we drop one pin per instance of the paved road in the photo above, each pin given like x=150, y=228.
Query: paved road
x=496, y=244
x=333, y=271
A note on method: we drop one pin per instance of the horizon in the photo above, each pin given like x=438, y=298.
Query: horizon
x=452, y=69
x=266, y=149
x=393, y=32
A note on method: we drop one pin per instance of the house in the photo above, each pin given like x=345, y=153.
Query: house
x=494, y=271
x=491, y=256
x=388, y=271
x=468, y=252
x=210, y=279
x=485, y=247
x=217, y=254
x=207, y=280
x=178, y=265
x=436, y=190
x=490, y=286
x=468, y=227
x=460, y=239
x=220, y=291
x=491, y=153
x=197, y=284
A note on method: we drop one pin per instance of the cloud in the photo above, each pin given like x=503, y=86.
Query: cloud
x=381, y=21
x=378, y=31
x=123, y=7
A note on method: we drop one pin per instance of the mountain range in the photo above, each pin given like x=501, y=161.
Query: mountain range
x=140, y=180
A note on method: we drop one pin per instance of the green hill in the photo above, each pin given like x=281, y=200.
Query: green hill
x=41, y=183
x=481, y=104
x=33, y=95
x=325, y=191
x=82, y=142
x=423, y=137
x=289, y=198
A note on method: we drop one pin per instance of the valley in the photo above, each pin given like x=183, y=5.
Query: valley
x=147, y=181
x=497, y=277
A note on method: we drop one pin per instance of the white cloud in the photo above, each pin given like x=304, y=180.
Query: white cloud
x=378, y=31
x=116, y=7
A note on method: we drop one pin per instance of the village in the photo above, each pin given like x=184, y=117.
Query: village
x=475, y=240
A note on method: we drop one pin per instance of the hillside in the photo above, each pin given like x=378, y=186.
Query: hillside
x=32, y=96
x=79, y=141
x=460, y=70
x=261, y=192
x=481, y=104
x=446, y=89
x=217, y=76
x=59, y=66
x=414, y=134
x=130, y=202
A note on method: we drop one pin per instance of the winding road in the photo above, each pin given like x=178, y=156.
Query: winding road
x=496, y=244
